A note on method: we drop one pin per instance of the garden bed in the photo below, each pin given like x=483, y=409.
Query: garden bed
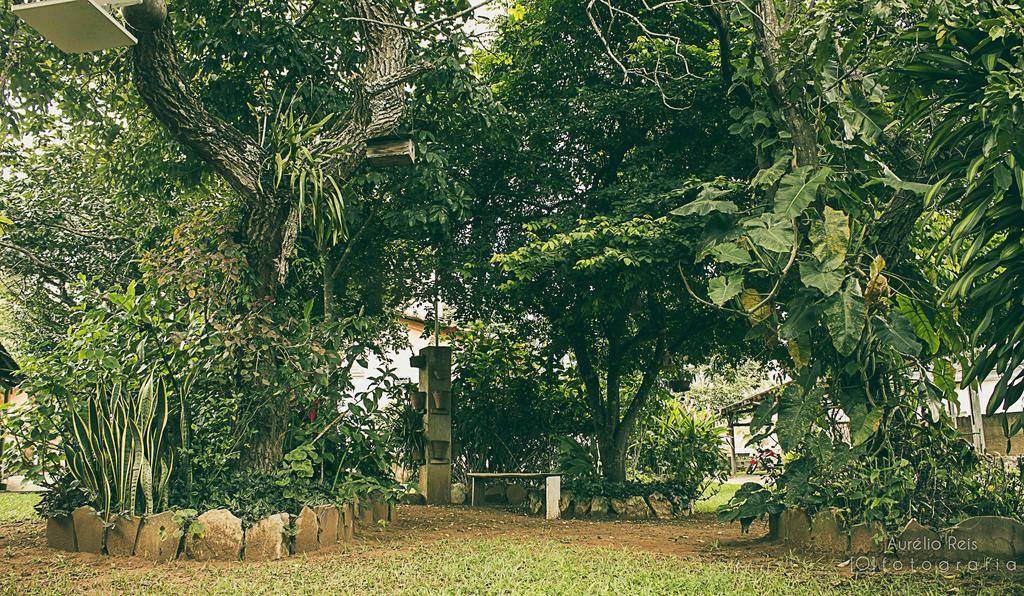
x=457, y=549
x=649, y=505
x=975, y=539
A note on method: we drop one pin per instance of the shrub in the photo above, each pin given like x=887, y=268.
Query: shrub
x=65, y=495
x=153, y=402
x=683, y=447
x=514, y=400
x=676, y=451
x=929, y=473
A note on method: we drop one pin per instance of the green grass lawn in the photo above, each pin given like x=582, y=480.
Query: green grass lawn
x=715, y=496
x=517, y=564
x=491, y=566
x=15, y=507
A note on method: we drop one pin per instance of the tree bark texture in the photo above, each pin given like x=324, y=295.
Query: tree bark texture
x=766, y=33
x=270, y=224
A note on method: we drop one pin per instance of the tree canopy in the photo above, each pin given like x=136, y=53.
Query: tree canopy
x=630, y=189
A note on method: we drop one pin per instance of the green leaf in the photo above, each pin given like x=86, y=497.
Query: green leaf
x=944, y=377
x=845, y=318
x=769, y=232
x=704, y=207
x=892, y=181
x=919, y=323
x=896, y=332
x=827, y=282
x=724, y=288
x=797, y=412
x=770, y=175
x=731, y=253
x=802, y=317
x=752, y=501
x=798, y=189
x=830, y=238
x=864, y=427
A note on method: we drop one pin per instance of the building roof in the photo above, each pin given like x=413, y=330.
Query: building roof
x=750, y=403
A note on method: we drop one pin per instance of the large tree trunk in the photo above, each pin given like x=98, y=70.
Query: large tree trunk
x=612, y=427
x=270, y=222
x=267, y=449
x=613, y=457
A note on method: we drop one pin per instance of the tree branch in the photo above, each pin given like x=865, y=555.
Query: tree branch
x=592, y=384
x=157, y=76
x=644, y=391
x=350, y=245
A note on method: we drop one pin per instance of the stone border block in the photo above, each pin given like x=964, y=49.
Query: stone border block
x=60, y=533
x=220, y=537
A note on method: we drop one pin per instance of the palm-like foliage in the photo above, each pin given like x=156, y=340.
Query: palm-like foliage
x=972, y=73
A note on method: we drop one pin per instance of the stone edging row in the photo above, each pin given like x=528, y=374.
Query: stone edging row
x=973, y=539
x=216, y=535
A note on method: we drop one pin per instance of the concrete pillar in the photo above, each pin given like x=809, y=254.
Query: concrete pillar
x=553, y=497
x=435, y=365
x=977, y=422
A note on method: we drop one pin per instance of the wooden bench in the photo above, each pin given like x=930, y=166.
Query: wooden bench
x=552, y=488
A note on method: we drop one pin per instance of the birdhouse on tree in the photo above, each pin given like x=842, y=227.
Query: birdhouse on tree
x=393, y=150
x=78, y=26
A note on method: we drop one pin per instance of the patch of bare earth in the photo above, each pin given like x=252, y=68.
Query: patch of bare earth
x=25, y=554
x=698, y=536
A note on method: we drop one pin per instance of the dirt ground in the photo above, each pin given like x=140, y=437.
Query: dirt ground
x=27, y=564
x=698, y=536
x=23, y=550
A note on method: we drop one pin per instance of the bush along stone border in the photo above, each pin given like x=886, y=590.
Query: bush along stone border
x=973, y=539
x=215, y=535
x=652, y=506
x=636, y=507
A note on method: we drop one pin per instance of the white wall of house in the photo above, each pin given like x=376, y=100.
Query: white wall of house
x=413, y=319
x=985, y=391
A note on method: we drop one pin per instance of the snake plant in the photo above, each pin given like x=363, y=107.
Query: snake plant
x=120, y=446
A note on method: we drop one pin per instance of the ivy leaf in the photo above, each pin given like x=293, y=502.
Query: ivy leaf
x=827, y=282
x=830, y=238
x=731, y=253
x=797, y=190
x=845, y=317
x=724, y=288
